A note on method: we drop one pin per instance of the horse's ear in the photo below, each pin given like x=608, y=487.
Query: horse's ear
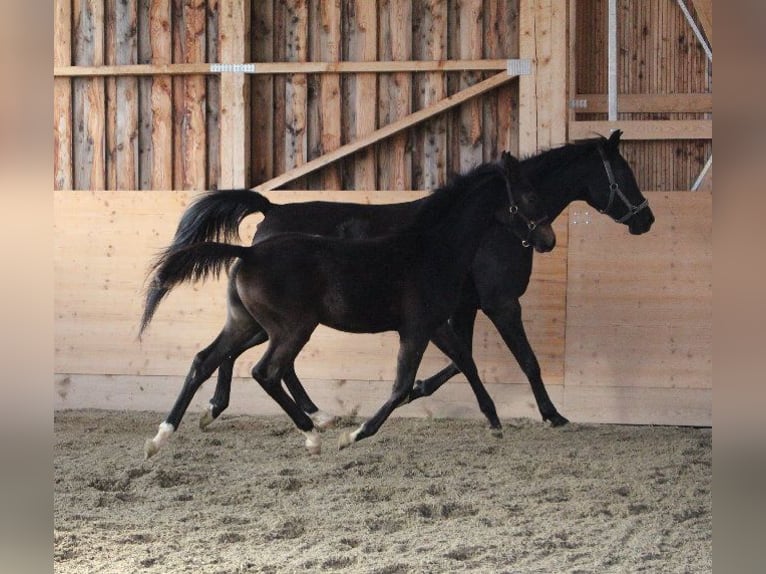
x=614, y=140
x=511, y=165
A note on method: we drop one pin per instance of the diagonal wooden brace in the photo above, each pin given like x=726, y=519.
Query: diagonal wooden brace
x=386, y=131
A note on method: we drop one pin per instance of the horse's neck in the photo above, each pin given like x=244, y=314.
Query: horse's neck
x=462, y=228
x=558, y=181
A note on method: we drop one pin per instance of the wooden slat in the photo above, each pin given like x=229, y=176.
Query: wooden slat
x=329, y=113
x=122, y=165
x=501, y=39
x=89, y=97
x=639, y=314
x=62, y=96
x=645, y=130
x=361, y=36
x=528, y=84
x=394, y=97
x=296, y=87
x=262, y=94
x=270, y=68
x=161, y=100
x=649, y=103
x=430, y=43
x=338, y=396
x=704, y=10
x=190, y=169
x=233, y=36
x=469, y=125
x=386, y=131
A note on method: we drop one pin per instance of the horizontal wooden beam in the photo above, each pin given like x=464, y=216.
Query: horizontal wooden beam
x=645, y=130
x=386, y=131
x=287, y=68
x=646, y=103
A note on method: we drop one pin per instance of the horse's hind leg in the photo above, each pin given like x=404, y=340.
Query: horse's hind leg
x=269, y=371
x=410, y=354
x=203, y=366
x=506, y=316
x=322, y=420
x=449, y=343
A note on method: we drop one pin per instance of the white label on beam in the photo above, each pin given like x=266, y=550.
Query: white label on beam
x=519, y=67
x=232, y=68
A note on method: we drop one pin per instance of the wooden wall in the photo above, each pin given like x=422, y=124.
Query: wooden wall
x=623, y=334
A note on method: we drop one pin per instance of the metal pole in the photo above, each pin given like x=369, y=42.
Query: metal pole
x=612, y=86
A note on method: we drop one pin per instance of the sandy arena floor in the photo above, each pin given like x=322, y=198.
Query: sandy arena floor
x=421, y=496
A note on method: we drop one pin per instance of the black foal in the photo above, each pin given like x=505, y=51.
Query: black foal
x=409, y=282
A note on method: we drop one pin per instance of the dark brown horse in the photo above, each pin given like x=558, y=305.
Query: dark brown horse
x=409, y=282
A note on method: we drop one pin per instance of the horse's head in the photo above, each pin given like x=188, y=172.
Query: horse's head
x=528, y=218
x=615, y=192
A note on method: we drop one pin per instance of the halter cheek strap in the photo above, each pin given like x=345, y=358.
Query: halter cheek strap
x=614, y=190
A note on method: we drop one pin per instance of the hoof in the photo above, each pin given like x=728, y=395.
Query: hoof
x=206, y=418
x=346, y=439
x=323, y=420
x=557, y=420
x=153, y=445
x=496, y=432
x=313, y=442
x=150, y=449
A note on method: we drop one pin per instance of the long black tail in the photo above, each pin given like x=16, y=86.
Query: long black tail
x=214, y=216
x=186, y=263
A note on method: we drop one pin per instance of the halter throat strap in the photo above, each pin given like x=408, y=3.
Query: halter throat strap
x=614, y=190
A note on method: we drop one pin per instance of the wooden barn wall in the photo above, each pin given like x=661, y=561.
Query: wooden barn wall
x=622, y=334
x=658, y=54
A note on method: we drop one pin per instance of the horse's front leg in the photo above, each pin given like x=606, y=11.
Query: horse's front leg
x=410, y=354
x=449, y=344
x=506, y=316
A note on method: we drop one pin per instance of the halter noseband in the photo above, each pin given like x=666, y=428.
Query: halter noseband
x=515, y=211
x=614, y=189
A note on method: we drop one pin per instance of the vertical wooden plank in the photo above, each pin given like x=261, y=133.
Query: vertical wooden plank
x=528, y=84
x=233, y=36
x=280, y=86
x=500, y=41
x=470, y=113
x=122, y=128
x=262, y=93
x=296, y=88
x=213, y=97
x=161, y=97
x=360, y=35
x=89, y=105
x=189, y=97
x=62, y=96
x=326, y=48
x=394, y=97
x=430, y=43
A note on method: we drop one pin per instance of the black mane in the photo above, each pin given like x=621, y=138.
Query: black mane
x=443, y=199
x=558, y=158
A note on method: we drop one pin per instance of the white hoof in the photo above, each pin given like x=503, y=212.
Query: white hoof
x=313, y=442
x=153, y=445
x=346, y=439
x=323, y=420
x=206, y=418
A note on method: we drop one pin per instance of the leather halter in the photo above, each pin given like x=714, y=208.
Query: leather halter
x=614, y=190
x=515, y=211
